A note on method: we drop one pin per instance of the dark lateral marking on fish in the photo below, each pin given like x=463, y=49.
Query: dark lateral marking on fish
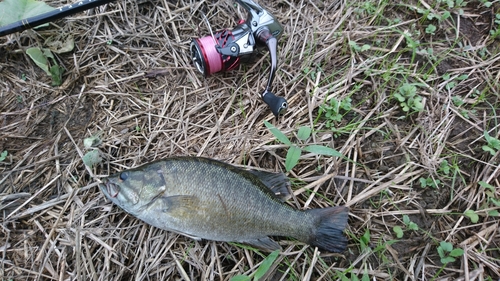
x=160, y=172
x=224, y=205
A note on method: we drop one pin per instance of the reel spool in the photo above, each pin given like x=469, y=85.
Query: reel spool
x=207, y=59
x=226, y=49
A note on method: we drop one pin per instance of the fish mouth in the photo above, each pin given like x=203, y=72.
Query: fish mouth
x=110, y=189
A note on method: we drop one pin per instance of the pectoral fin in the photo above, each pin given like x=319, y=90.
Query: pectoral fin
x=265, y=243
x=277, y=182
x=179, y=205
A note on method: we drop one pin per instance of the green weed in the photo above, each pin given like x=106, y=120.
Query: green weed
x=408, y=98
x=495, y=33
x=447, y=253
x=408, y=224
x=334, y=110
x=364, y=241
x=354, y=46
x=493, y=144
x=294, y=151
x=425, y=182
x=492, y=199
x=261, y=270
x=93, y=156
x=430, y=29
x=472, y=215
x=452, y=82
x=445, y=167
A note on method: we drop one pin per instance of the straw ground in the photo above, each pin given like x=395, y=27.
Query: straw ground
x=407, y=92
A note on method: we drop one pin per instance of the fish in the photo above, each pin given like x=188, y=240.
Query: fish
x=203, y=198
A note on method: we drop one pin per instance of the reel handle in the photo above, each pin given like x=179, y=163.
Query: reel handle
x=278, y=105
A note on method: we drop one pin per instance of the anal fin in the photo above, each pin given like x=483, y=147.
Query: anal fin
x=264, y=243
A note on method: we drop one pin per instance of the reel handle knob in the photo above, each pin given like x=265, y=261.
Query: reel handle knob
x=278, y=105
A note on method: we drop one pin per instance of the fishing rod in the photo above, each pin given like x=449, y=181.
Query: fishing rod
x=222, y=51
x=55, y=14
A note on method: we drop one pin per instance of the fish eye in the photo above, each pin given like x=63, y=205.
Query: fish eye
x=124, y=176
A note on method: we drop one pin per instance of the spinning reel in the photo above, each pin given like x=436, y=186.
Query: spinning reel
x=224, y=50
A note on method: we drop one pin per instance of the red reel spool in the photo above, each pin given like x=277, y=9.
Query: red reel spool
x=206, y=57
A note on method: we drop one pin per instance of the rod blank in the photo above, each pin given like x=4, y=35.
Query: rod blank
x=51, y=16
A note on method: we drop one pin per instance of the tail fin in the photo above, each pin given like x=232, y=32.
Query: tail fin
x=329, y=233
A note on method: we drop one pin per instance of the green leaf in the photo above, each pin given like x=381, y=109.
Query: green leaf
x=447, y=260
x=413, y=226
x=92, y=158
x=304, y=133
x=406, y=219
x=15, y=10
x=489, y=149
x=365, y=47
x=486, y=185
x=472, y=215
x=493, y=213
x=495, y=201
x=292, y=157
x=398, y=230
x=240, y=278
x=457, y=252
x=3, y=155
x=430, y=29
x=277, y=133
x=366, y=237
x=60, y=43
x=39, y=58
x=92, y=141
x=492, y=142
x=446, y=246
x=399, y=97
x=56, y=74
x=445, y=15
x=423, y=182
x=441, y=252
x=445, y=167
x=343, y=277
x=365, y=276
x=266, y=264
x=323, y=150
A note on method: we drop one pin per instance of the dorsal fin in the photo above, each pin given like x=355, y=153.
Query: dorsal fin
x=278, y=183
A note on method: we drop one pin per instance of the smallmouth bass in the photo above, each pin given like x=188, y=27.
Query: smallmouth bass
x=208, y=199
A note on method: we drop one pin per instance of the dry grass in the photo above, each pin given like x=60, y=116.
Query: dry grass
x=130, y=77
